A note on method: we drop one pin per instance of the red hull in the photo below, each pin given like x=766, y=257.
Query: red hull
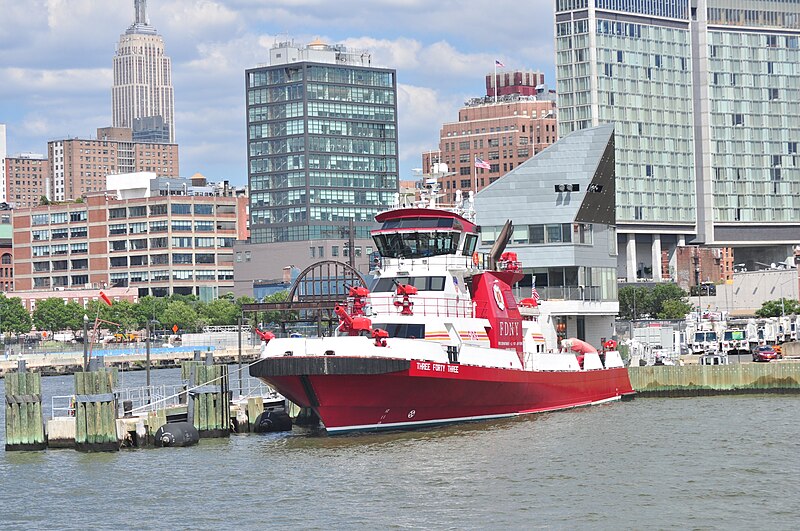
x=431, y=393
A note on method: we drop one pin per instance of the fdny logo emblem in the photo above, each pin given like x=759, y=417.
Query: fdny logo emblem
x=498, y=297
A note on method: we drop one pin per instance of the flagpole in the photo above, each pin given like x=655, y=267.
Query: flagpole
x=494, y=80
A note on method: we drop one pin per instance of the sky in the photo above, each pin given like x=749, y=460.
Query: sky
x=56, y=63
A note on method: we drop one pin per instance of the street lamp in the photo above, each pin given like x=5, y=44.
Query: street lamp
x=85, y=342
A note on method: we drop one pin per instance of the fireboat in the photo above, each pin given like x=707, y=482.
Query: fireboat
x=439, y=338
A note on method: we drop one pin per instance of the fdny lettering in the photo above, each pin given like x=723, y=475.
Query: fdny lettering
x=509, y=328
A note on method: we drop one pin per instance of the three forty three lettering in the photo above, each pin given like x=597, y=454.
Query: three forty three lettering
x=437, y=367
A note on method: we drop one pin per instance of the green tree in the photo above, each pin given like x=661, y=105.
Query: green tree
x=776, y=308
x=50, y=315
x=182, y=314
x=674, y=309
x=664, y=292
x=73, y=313
x=151, y=308
x=223, y=311
x=277, y=316
x=663, y=301
x=14, y=318
x=635, y=302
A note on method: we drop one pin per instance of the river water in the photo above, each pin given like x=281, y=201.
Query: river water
x=673, y=463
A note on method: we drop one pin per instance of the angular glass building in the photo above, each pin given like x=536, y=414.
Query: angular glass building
x=705, y=98
x=322, y=143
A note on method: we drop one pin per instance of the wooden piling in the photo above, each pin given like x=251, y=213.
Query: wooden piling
x=24, y=423
x=255, y=407
x=209, y=398
x=96, y=411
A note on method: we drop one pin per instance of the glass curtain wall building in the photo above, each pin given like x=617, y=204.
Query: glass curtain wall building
x=704, y=97
x=322, y=143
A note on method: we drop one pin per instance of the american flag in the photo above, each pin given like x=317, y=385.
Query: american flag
x=497, y=62
x=534, y=294
x=480, y=163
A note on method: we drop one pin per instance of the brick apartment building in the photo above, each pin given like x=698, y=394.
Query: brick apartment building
x=156, y=245
x=26, y=179
x=503, y=131
x=78, y=166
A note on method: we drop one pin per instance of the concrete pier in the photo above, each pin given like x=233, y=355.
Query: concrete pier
x=699, y=380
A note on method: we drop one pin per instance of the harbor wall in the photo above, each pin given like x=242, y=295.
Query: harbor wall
x=696, y=380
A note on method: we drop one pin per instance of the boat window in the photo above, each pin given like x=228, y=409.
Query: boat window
x=406, y=330
x=416, y=244
x=436, y=284
x=469, y=244
x=421, y=223
x=421, y=283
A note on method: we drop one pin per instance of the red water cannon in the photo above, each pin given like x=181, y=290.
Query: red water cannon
x=380, y=335
x=509, y=262
x=265, y=336
x=357, y=299
x=405, y=291
x=353, y=326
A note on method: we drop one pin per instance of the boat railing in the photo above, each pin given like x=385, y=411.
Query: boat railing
x=432, y=306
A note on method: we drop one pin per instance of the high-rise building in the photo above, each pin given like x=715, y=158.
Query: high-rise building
x=26, y=179
x=142, y=91
x=3, y=154
x=322, y=143
x=503, y=131
x=705, y=98
x=78, y=165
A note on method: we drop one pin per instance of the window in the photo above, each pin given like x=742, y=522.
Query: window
x=117, y=213
x=181, y=225
x=79, y=215
x=180, y=241
x=203, y=243
x=119, y=261
x=117, y=229
x=553, y=233
x=181, y=208
x=120, y=245
x=203, y=209
x=203, y=226
x=181, y=258
x=137, y=211
x=209, y=258
x=77, y=232
x=158, y=210
x=334, y=250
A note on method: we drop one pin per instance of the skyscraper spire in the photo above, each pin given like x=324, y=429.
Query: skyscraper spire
x=141, y=11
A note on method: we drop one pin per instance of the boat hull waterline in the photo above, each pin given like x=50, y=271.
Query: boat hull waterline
x=367, y=394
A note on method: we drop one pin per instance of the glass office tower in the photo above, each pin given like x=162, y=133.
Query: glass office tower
x=704, y=96
x=322, y=143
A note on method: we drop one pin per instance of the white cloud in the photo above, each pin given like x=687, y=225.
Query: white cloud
x=421, y=113
x=56, y=60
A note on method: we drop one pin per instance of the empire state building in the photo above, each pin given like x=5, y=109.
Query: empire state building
x=142, y=97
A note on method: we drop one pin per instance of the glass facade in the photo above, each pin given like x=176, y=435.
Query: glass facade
x=322, y=146
x=648, y=66
x=754, y=94
x=638, y=66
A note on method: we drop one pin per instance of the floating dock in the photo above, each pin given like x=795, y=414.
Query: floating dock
x=90, y=420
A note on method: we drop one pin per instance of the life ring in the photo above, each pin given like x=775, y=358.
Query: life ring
x=475, y=258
